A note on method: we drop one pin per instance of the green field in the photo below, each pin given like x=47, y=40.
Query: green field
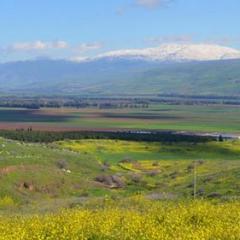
x=113, y=189
x=220, y=118
x=69, y=172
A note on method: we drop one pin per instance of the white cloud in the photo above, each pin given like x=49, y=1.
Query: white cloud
x=152, y=3
x=82, y=49
x=41, y=45
x=85, y=47
x=171, y=39
x=51, y=49
x=147, y=4
x=225, y=40
x=78, y=59
x=37, y=45
x=25, y=46
x=60, y=44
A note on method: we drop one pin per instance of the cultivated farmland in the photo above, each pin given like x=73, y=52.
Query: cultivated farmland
x=213, y=118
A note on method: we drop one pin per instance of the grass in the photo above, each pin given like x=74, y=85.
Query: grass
x=221, y=118
x=112, y=190
x=59, y=174
x=32, y=173
x=167, y=167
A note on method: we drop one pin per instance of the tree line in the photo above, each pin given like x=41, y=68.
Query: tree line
x=48, y=137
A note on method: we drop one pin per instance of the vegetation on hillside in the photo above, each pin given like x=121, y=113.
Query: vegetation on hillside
x=103, y=77
x=103, y=189
x=45, y=177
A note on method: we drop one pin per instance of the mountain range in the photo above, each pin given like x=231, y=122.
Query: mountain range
x=189, y=69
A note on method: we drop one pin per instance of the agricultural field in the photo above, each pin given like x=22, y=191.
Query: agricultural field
x=201, y=118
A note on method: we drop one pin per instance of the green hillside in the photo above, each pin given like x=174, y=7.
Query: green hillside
x=110, y=77
x=46, y=177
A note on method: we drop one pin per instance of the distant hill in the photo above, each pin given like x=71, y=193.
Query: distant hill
x=121, y=74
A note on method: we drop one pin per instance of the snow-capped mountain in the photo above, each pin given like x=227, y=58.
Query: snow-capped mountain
x=177, y=52
x=168, y=69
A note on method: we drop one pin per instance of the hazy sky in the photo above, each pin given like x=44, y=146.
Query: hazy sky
x=78, y=28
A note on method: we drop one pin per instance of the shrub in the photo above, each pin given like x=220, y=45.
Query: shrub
x=6, y=202
x=62, y=164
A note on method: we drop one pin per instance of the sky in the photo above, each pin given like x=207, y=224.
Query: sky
x=74, y=29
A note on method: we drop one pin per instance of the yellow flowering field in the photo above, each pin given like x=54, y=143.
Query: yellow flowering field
x=137, y=218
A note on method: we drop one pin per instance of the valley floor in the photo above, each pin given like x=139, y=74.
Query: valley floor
x=195, y=118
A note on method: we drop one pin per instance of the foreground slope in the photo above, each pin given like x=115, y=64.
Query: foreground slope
x=46, y=177
x=117, y=190
x=133, y=218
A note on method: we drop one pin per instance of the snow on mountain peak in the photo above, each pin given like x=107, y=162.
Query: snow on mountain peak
x=177, y=52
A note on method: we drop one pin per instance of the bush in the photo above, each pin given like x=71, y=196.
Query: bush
x=6, y=202
x=62, y=164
